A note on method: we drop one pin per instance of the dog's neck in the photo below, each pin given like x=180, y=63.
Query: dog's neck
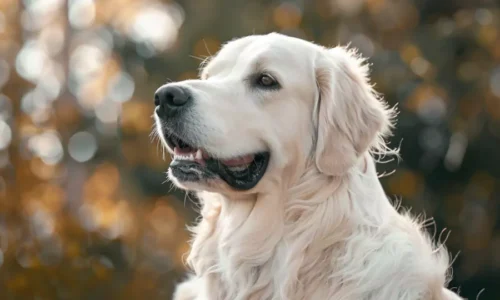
x=310, y=188
x=267, y=232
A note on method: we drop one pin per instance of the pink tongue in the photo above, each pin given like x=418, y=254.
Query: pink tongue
x=234, y=162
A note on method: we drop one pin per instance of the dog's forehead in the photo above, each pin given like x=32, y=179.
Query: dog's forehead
x=272, y=41
x=271, y=48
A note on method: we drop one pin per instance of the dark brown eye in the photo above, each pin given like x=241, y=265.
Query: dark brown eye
x=267, y=81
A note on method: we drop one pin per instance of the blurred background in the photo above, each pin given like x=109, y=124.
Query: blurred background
x=85, y=209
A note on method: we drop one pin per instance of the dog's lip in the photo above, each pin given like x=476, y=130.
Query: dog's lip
x=244, y=177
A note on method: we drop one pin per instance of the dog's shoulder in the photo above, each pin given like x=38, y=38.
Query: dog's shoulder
x=400, y=257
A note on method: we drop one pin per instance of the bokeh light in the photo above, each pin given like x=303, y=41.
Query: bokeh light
x=82, y=146
x=5, y=135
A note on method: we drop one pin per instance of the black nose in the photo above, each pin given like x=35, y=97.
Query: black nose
x=170, y=99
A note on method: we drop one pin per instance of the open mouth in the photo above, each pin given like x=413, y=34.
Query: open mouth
x=195, y=164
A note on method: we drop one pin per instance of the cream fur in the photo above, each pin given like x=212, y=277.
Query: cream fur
x=318, y=225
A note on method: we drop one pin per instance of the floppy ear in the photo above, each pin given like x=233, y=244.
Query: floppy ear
x=350, y=117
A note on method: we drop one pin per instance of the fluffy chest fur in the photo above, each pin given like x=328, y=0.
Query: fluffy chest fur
x=322, y=239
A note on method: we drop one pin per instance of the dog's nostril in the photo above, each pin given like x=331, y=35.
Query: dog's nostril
x=176, y=100
x=176, y=96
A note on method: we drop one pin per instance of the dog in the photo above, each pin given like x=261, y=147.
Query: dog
x=279, y=139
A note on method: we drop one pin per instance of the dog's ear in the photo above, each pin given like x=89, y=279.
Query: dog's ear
x=349, y=115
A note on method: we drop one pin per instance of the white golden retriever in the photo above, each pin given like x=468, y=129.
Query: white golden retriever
x=277, y=140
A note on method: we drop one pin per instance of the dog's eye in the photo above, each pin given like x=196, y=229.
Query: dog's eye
x=267, y=81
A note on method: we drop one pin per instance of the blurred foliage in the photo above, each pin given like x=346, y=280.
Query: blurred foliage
x=85, y=210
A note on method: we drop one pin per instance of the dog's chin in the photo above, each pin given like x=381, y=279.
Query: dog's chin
x=193, y=168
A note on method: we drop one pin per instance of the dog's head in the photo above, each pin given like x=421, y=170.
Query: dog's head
x=265, y=106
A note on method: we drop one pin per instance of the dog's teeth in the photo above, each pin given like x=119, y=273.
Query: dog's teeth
x=186, y=156
x=198, y=154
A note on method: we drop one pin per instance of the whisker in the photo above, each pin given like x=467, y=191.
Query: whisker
x=200, y=58
x=206, y=47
